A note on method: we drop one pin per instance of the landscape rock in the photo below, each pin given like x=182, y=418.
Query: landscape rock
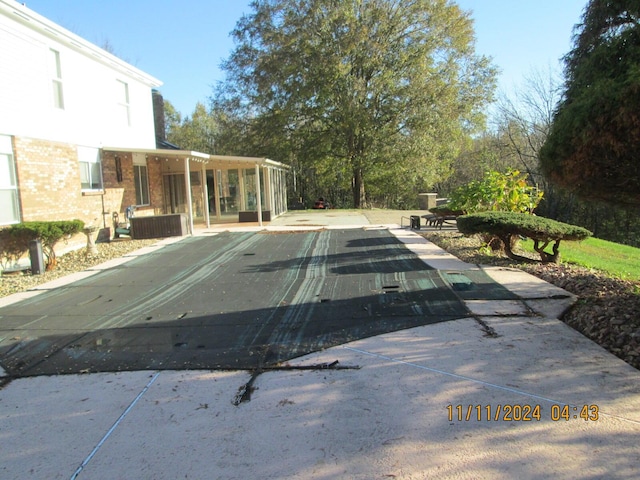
x=68, y=263
x=607, y=310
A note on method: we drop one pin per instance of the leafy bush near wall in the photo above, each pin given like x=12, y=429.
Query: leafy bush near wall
x=508, y=226
x=11, y=248
x=15, y=239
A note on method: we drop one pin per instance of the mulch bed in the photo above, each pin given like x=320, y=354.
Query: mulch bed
x=607, y=309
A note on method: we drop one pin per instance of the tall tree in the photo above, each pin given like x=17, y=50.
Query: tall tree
x=381, y=89
x=197, y=132
x=172, y=119
x=486, y=152
x=593, y=148
x=525, y=118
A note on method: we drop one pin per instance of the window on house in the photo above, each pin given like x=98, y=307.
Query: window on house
x=9, y=203
x=90, y=168
x=56, y=79
x=141, y=179
x=124, y=116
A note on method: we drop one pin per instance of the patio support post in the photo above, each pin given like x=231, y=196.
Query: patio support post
x=205, y=194
x=258, y=195
x=217, y=174
x=187, y=181
x=267, y=190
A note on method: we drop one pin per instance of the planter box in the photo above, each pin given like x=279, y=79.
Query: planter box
x=253, y=216
x=159, y=226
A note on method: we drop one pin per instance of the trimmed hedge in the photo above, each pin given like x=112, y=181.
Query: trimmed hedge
x=507, y=226
x=15, y=239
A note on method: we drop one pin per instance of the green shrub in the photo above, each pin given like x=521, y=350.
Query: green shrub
x=13, y=245
x=19, y=235
x=508, y=226
x=508, y=192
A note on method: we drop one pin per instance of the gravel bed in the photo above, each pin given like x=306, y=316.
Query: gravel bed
x=607, y=311
x=71, y=262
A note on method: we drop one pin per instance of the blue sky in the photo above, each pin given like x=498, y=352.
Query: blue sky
x=182, y=42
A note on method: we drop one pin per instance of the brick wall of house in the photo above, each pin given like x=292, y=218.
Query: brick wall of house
x=49, y=182
x=49, y=185
x=50, y=188
x=118, y=182
x=120, y=189
x=156, y=188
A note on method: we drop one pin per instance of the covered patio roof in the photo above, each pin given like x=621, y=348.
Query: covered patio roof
x=201, y=157
x=204, y=158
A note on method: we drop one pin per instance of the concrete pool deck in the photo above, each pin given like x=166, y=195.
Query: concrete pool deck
x=502, y=393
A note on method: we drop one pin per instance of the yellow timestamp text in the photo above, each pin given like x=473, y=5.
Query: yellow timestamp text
x=522, y=413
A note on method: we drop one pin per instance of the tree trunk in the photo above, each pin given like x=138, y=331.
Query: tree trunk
x=507, y=240
x=357, y=187
x=548, y=257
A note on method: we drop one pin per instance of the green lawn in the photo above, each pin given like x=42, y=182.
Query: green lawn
x=620, y=261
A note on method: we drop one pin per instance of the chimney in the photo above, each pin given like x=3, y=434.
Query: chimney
x=158, y=116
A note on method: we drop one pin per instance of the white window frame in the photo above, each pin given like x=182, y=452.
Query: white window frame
x=90, y=166
x=8, y=184
x=123, y=106
x=141, y=180
x=57, y=90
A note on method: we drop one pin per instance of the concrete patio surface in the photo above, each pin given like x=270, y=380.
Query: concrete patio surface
x=499, y=394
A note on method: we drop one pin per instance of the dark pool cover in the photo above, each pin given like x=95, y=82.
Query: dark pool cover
x=234, y=300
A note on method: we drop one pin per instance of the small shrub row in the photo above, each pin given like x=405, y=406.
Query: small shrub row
x=509, y=226
x=15, y=239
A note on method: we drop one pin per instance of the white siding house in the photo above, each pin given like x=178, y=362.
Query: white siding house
x=78, y=139
x=62, y=99
x=54, y=85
